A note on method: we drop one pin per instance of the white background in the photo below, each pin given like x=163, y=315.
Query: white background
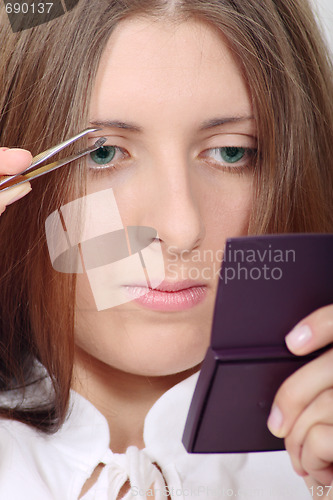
x=324, y=8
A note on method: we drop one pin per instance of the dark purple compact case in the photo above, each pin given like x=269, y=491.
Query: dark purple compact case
x=267, y=284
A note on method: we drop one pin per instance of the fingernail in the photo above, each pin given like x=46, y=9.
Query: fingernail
x=299, y=336
x=275, y=420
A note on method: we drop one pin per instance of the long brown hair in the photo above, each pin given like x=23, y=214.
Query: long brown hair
x=46, y=77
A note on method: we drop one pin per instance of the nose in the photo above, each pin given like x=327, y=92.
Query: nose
x=175, y=204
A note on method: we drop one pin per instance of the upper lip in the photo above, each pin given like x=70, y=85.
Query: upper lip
x=172, y=286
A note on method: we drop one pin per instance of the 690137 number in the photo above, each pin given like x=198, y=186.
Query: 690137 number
x=25, y=8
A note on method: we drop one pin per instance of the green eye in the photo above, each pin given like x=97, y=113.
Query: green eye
x=103, y=155
x=232, y=154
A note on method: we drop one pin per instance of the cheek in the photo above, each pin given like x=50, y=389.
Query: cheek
x=84, y=296
x=227, y=207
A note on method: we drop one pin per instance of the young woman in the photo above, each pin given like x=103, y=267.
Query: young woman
x=218, y=117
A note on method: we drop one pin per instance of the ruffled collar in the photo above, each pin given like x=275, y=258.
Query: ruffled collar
x=85, y=439
x=85, y=433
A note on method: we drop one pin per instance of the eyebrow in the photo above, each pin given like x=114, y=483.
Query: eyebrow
x=116, y=124
x=131, y=127
x=217, y=122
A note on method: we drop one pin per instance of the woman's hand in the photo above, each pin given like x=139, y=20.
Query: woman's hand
x=302, y=411
x=13, y=161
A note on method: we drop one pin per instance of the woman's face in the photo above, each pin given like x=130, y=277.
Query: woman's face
x=182, y=165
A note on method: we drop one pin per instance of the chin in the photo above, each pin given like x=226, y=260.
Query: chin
x=162, y=367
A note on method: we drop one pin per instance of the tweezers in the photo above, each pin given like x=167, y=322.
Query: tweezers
x=32, y=172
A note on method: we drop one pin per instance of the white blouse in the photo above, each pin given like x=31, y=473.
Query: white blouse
x=36, y=466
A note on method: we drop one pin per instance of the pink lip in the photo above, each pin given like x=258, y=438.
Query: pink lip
x=168, y=296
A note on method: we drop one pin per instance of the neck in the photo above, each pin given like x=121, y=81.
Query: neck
x=123, y=398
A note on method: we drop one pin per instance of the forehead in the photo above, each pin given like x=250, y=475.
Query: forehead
x=157, y=67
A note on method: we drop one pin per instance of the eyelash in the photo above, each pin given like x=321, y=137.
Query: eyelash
x=239, y=166
x=107, y=167
x=247, y=161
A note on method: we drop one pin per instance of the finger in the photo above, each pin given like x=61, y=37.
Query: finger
x=317, y=453
x=298, y=391
x=320, y=411
x=14, y=160
x=312, y=333
x=13, y=194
